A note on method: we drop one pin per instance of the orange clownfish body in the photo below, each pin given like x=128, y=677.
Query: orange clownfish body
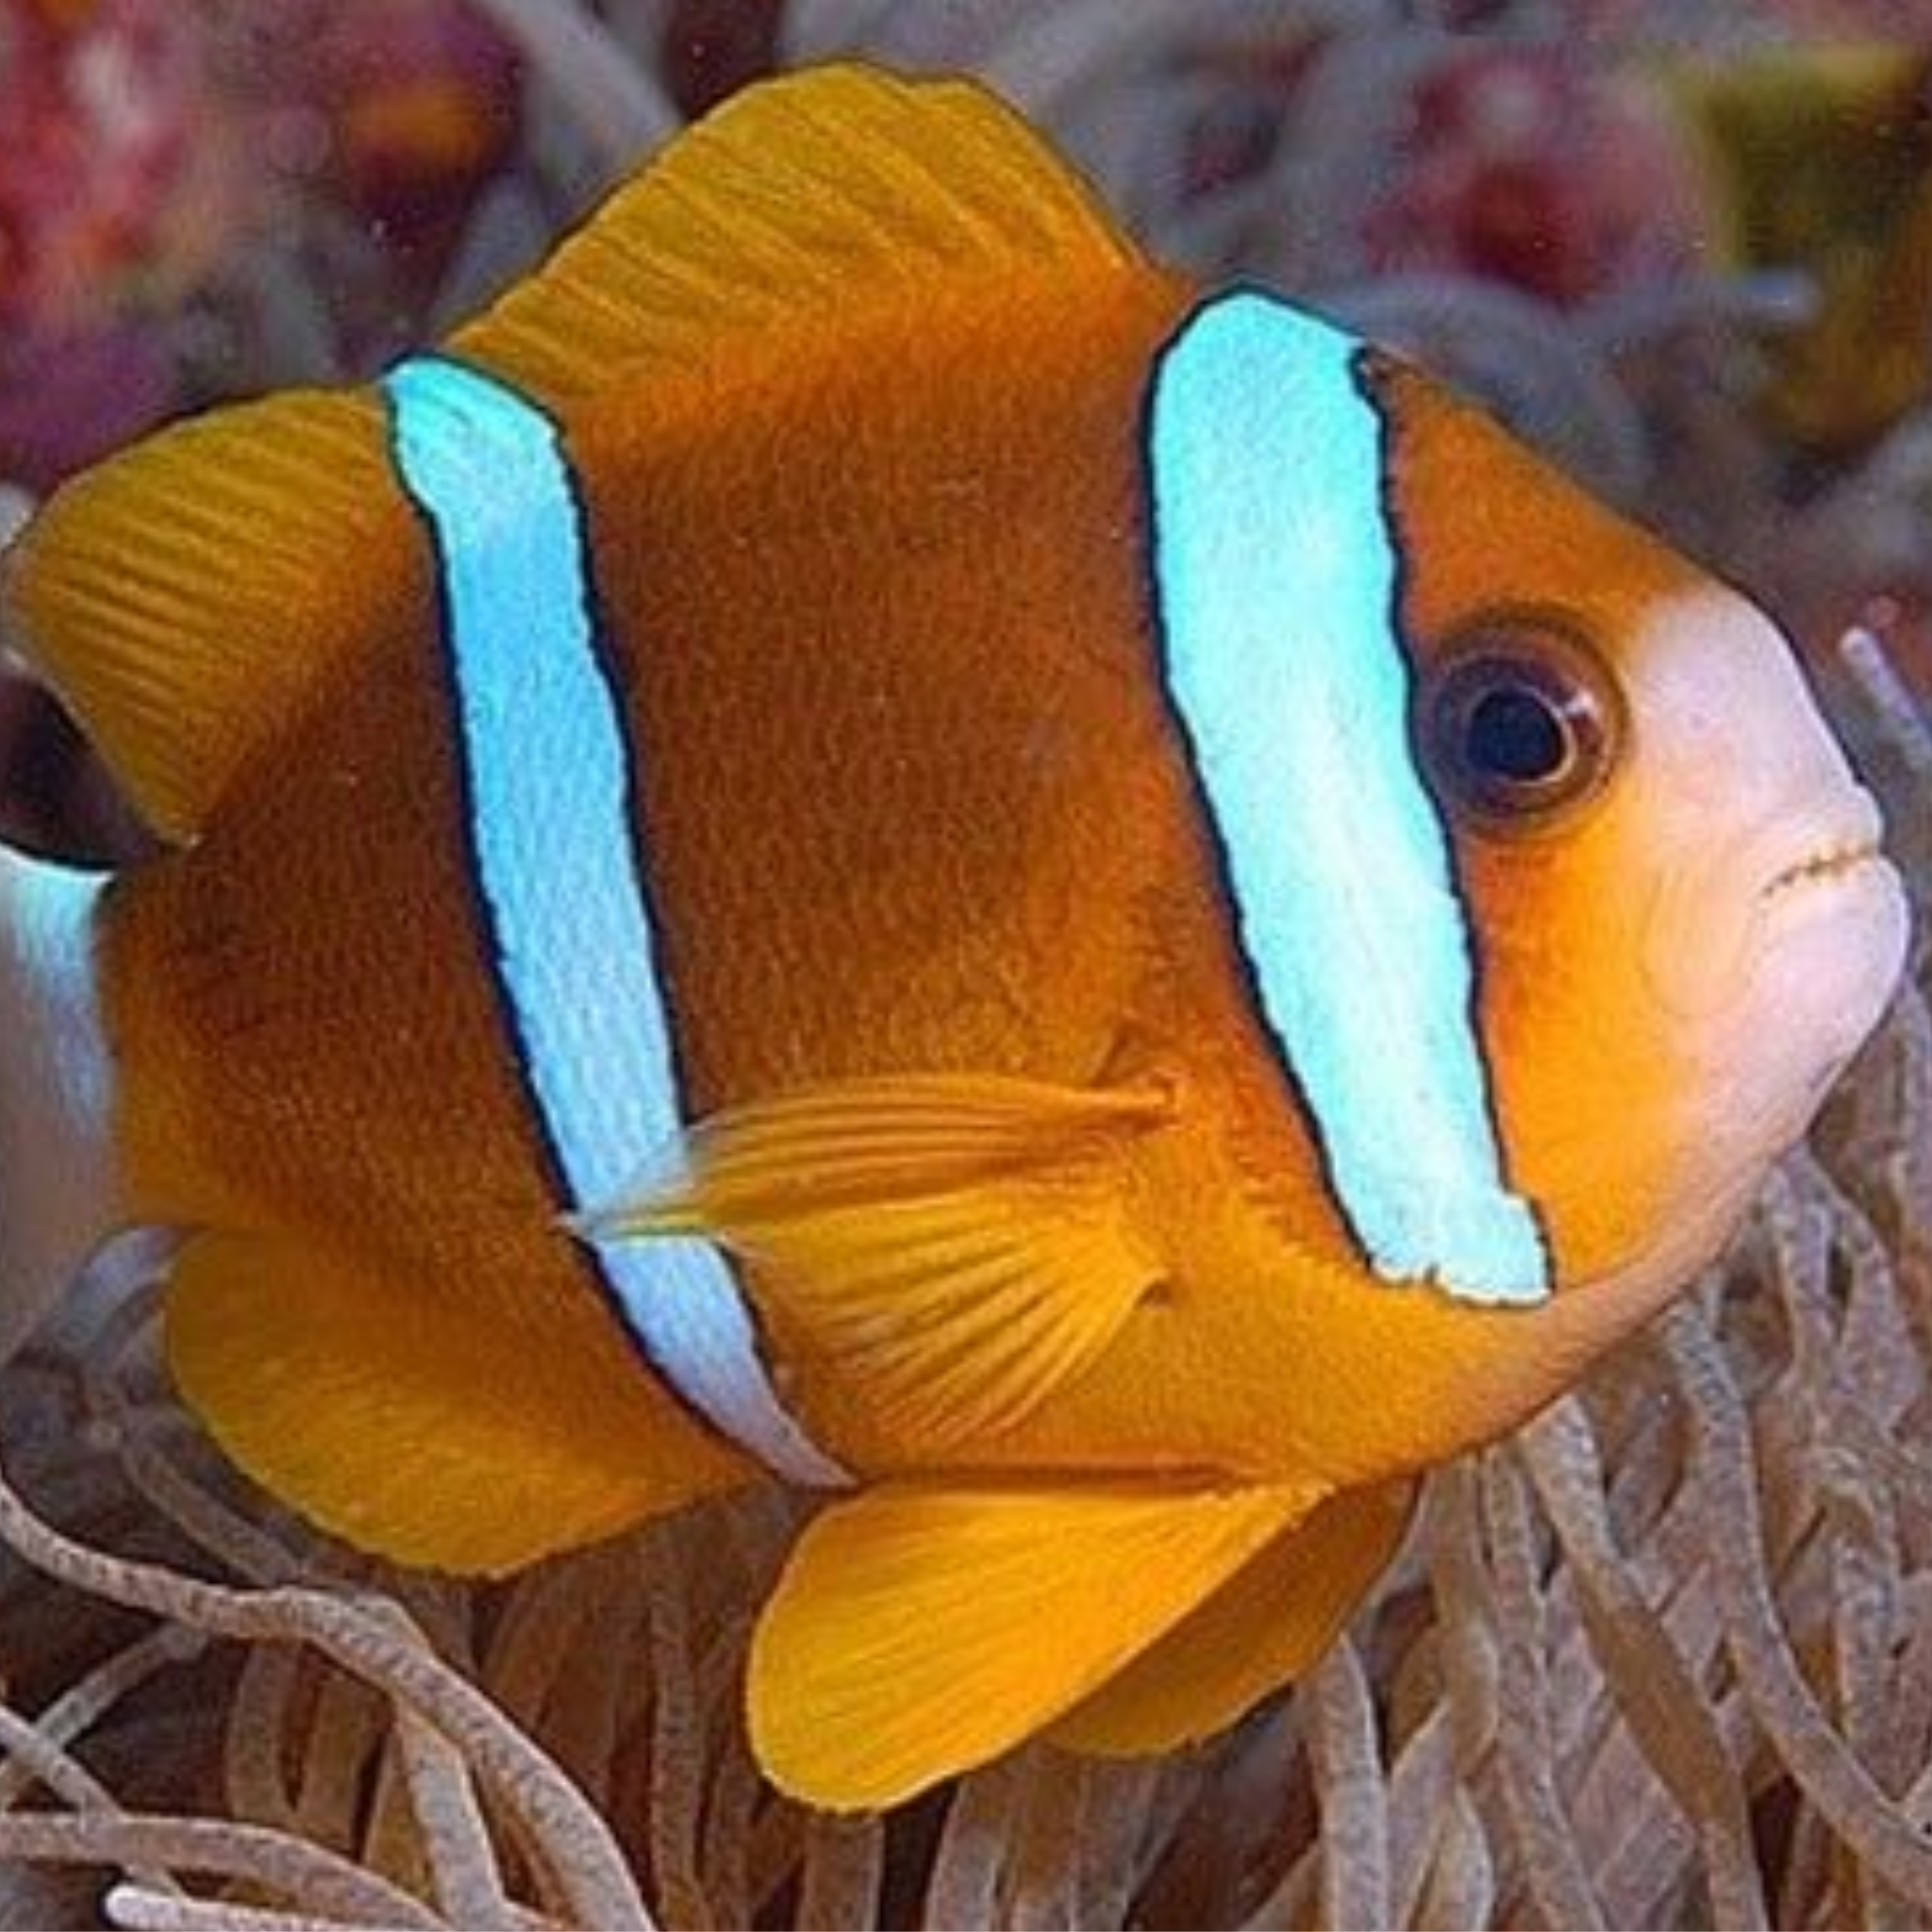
x=862, y=841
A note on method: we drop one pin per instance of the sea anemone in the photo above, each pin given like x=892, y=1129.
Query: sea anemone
x=1663, y=1659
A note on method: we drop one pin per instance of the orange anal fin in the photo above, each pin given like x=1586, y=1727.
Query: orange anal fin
x=919, y=1631
x=382, y=1413
x=958, y=1246
x=1261, y=1629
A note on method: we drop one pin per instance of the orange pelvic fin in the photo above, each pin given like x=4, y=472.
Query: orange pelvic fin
x=920, y=1631
x=1261, y=1629
x=812, y=195
x=185, y=596
x=960, y=1246
x=401, y=1421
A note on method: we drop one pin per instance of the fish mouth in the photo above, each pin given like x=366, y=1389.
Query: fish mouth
x=1853, y=844
x=1826, y=863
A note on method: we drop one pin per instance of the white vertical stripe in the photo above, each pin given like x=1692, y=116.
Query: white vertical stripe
x=549, y=783
x=1276, y=583
x=58, y=1171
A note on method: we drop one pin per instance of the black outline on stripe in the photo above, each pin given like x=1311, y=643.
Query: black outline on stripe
x=476, y=894
x=1370, y=369
x=1214, y=847
x=610, y=667
x=1362, y=372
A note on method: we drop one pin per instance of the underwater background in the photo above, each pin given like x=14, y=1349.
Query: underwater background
x=1666, y=1658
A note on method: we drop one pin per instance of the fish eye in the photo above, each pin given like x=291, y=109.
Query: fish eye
x=1520, y=724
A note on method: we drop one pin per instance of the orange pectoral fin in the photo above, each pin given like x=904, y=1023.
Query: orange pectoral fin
x=919, y=1631
x=399, y=1425
x=960, y=1246
x=1261, y=1629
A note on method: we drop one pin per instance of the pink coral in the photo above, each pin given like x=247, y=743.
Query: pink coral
x=119, y=189
x=117, y=176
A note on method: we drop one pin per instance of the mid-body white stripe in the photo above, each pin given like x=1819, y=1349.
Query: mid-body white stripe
x=1275, y=575
x=549, y=786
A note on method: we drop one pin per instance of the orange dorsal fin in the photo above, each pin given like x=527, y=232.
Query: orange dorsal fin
x=183, y=597
x=818, y=193
x=919, y=1631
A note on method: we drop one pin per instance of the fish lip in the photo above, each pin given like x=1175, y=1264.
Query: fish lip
x=1855, y=842
x=1825, y=864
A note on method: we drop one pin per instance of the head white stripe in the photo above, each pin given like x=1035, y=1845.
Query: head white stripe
x=548, y=775
x=1275, y=577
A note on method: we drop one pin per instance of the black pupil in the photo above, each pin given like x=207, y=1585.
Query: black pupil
x=1515, y=735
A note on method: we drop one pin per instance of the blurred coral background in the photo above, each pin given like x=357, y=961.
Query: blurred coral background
x=1665, y=1661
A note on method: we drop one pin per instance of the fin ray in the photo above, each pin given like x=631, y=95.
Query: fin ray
x=182, y=597
x=903, y=1643
x=1267, y=1625
x=838, y=184
x=958, y=1244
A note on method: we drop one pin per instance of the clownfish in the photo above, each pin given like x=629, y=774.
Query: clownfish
x=862, y=841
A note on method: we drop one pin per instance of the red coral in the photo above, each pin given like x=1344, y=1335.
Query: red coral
x=113, y=179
